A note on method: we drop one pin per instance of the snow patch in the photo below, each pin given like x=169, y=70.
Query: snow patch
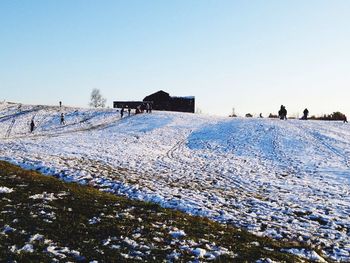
x=5, y=190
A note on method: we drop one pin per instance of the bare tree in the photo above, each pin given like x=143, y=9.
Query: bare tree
x=96, y=99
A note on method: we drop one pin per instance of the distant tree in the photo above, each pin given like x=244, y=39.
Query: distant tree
x=96, y=99
x=335, y=116
x=313, y=117
x=338, y=116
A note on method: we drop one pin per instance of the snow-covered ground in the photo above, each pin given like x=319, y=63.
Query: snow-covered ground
x=284, y=179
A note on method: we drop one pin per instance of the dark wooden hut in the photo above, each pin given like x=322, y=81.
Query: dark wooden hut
x=163, y=101
x=160, y=100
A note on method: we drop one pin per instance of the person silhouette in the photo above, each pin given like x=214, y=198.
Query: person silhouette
x=62, y=119
x=282, y=113
x=32, y=125
x=306, y=113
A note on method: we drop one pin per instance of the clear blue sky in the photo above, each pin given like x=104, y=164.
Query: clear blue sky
x=251, y=55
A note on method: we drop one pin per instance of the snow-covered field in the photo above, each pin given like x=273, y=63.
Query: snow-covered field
x=284, y=179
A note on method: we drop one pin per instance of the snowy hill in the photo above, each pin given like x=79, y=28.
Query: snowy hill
x=284, y=179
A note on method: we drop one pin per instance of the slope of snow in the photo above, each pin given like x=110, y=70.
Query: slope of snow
x=284, y=179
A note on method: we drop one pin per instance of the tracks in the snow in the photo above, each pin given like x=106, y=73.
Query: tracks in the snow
x=57, y=134
x=171, y=154
x=70, y=131
x=323, y=140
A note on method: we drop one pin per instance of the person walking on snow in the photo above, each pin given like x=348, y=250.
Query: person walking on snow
x=129, y=111
x=32, y=125
x=122, y=113
x=62, y=119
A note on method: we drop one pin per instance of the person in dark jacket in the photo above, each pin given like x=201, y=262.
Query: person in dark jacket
x=282, y=113
x=306, y=113
x=32, y=125
x=62, y=119
x=122, y=113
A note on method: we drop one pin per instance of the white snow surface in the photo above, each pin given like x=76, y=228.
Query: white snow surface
x=177, y=233
x=284, y=179
x=5, y=190
x=311, y=255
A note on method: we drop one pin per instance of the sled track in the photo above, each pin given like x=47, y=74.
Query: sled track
x=171, y=154
x=83, y=121
x=7, y=109
x=252, y=149
x=21, y=112
x=44, y=118
x=9, y=130
x=279, y=155
x=322, y=139
x=215, y=176
x=319, y=142
x=57, y=134
x=288, y=163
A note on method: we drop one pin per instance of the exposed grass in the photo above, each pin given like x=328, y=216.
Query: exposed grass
x=80, y=223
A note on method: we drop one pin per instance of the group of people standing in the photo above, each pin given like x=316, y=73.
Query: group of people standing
x=139, y=109
x=282, y=113
x=143, y=107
